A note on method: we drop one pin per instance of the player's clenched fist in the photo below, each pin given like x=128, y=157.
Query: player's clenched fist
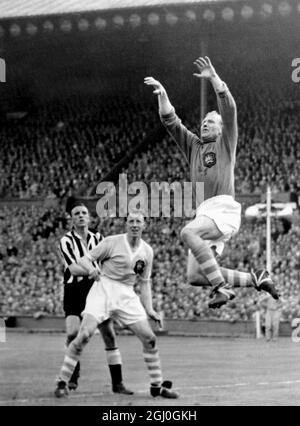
x=158, y=87
x=94, y=275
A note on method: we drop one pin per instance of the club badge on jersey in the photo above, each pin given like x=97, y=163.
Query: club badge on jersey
x=139, y=267
x=209, y=159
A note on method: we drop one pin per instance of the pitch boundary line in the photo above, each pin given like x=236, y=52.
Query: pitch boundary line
x=232, y=385
x=100, y=394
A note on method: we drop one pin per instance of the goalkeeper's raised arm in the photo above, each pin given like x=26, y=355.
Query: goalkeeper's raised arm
x=226, y=102
x=165, y=106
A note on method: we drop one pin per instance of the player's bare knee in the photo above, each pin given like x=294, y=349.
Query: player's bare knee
x=149, y=341
x=110, y=341
x=194, y=279
x=71, y=336
x=83, y=336
x=186, y=233
x=108, y=334
x=198, y=281
x=77, y=345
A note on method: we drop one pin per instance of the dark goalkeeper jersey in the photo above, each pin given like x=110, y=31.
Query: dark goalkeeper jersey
x=211, y=163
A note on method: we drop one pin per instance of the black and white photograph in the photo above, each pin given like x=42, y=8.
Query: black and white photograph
x=149, y=206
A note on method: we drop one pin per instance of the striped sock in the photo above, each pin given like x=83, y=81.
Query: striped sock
x=114, y=362
x=151, y=357
x=236, y=278
x=208, y=264
x=71, y=359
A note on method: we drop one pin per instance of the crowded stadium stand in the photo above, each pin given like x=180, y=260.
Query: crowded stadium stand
x=74, y=106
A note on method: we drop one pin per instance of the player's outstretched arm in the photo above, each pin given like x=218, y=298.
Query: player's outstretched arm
x=207, y=71
x=164, y=104
x=226, y=102
x=178, y=132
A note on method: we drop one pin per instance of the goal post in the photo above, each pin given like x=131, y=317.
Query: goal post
x=268, y=231
x=257, y=315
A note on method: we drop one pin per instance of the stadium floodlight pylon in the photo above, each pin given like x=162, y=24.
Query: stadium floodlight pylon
x=268, y=231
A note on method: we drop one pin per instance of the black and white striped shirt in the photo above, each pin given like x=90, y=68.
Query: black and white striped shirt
x=72, y=248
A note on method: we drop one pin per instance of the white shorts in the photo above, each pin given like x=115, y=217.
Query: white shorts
x=112, y=299
x=225, y=212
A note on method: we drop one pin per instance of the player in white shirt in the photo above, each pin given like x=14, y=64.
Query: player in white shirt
x=77, y=284
x=122, y=257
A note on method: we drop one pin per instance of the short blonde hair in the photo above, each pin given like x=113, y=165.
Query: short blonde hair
x=135, y=211
x=217, y=115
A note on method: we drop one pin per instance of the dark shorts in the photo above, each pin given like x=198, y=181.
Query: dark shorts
x=75, y=296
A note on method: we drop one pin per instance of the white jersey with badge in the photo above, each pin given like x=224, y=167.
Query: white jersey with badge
x=119, y=262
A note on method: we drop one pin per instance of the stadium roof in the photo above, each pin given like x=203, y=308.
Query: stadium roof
x=18, y=8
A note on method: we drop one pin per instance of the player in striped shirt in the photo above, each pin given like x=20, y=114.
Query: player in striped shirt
x=212, y=160
x=122, y=258
x=77, y=284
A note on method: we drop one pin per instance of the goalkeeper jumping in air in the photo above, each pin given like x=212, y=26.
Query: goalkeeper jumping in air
x=212, y=160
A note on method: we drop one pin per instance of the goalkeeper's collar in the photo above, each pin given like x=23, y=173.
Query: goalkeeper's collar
x=207, y=140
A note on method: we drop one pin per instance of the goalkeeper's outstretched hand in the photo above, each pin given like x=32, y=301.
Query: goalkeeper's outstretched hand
x=205, y=68
x=158, y=87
